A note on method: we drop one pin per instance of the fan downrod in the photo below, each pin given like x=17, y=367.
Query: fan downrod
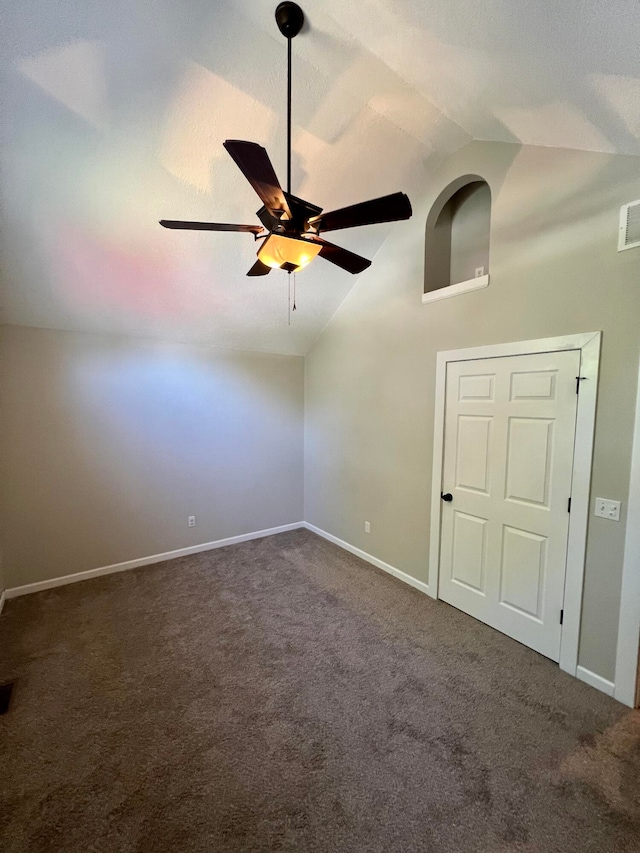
x=290, y=19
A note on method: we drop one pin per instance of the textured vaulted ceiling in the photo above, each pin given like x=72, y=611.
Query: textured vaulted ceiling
x=114, y=114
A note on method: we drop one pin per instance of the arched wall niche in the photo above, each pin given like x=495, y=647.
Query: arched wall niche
x=457, y=239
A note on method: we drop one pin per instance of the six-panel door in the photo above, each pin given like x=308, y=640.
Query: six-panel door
x=508, y=459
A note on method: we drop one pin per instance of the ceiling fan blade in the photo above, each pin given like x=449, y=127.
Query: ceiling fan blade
x=254, y=163
x=387, y=208
x=209, y=226
x=343, y=258
x=259, y=269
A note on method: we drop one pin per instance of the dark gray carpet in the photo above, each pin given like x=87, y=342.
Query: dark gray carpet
x=282, y=695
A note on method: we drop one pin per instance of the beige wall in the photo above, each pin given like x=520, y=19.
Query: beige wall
x=370, y=378
x=470, y=231
x=108, y=444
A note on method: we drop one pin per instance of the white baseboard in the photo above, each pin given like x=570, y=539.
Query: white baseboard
x=403, y=576
x=582, y=673
x=594, y=680
x=145, y=561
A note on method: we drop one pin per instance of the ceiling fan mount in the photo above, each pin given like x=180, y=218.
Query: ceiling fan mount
x=291, y=226
x=290, y=19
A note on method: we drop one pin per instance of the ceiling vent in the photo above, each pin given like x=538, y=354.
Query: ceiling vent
x=629, y=233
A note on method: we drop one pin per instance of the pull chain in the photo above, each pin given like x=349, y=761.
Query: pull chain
x=292, y=306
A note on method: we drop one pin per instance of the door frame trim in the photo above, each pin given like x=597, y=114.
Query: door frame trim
x=589, y=344
x=626, y=677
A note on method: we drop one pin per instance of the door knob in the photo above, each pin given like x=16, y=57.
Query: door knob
x=448, y=497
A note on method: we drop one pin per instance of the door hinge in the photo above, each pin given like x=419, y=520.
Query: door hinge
x=561, y=616
x=578, y=381
x=569, y=505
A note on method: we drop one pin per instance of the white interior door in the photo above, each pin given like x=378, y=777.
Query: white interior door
x=508, y=461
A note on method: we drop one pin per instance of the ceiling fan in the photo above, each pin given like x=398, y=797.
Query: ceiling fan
x=291, y=227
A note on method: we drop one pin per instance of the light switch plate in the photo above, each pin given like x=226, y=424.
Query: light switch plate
x=608, y=509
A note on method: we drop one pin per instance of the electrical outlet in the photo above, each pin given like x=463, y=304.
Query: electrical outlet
x=608, y=509
x=479, y=272
x=367, y=527
x=192, y=521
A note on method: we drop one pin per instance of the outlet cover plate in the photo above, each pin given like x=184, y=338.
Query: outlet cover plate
x=608, y=509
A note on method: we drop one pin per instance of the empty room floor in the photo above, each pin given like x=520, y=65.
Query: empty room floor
x=282, y=695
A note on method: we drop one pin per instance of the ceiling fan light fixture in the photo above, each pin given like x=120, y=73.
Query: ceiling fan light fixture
x=288, y=253
x=294, y=225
